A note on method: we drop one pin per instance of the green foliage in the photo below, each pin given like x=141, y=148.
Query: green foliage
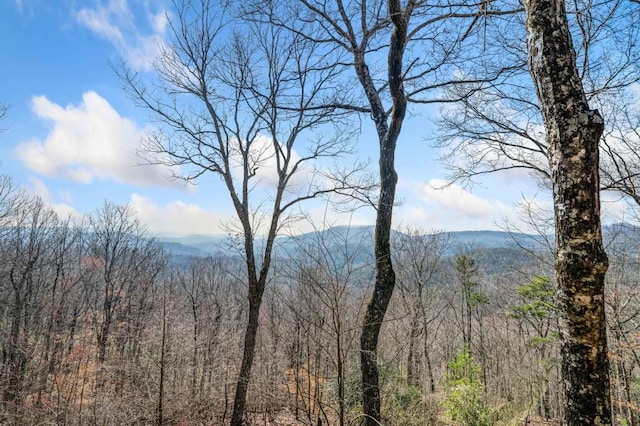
x=467, y=271
x=539, y=296
x=465, y=265
x=402, y=403
x=476, y=299
x=463, y=403
x=351, y=388
x=463, y=369
x=538, y=341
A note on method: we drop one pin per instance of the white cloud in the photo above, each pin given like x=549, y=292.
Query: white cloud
x=90, y=141
x=320, y=214
x=437, y=206
x=455, y=199
x=616, y=208
x=64, y=210
x=430, y=219
x=263, y=161
x=116, y=23
x=176, y=218
x=159, y=22
x=39, y=189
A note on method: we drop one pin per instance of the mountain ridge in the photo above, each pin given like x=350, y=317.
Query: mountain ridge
x=203, y=245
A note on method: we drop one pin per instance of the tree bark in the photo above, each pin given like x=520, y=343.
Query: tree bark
x=256, y=290
x=573, y=132
x=385, y=276
x=385, y=283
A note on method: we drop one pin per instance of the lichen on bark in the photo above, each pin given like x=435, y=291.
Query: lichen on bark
x=573, y=132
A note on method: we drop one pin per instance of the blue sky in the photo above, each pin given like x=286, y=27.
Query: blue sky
x=72, y=134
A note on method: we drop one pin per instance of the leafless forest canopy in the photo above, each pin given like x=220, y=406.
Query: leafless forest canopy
x=101, y=324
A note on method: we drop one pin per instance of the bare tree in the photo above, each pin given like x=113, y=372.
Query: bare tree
x=203, y=283
x=573, y=131
x=497, y=125
x=418, y=257
x=622, y=319
x=399, y=53
x=12, y=198
x=27, y=252
x=620, y=146
x=329, y=265
x=254, y=105
x=123, y=265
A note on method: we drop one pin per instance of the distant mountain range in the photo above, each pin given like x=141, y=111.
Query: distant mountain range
x=343, y=238
x=197, y=245
x=361, y=238
x=495, y=251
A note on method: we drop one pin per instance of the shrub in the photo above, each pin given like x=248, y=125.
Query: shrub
x=463, y=403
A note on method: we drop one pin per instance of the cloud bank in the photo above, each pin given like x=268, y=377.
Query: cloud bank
x=90, y=141
x=437, y=206
x=175, y=218
x=116, y=23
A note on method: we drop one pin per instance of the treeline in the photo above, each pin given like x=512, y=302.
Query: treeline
x=98, y=325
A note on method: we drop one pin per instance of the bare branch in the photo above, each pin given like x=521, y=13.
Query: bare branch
x=257, y=105
x=4, y=109
x=499, y=118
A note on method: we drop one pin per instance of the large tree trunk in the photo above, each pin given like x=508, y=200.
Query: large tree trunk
x=242, y=386
x=257, y=283
x=385, y=276
x=573, y=132
x=385, y=283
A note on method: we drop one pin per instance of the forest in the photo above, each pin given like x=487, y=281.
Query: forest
x=103, y=323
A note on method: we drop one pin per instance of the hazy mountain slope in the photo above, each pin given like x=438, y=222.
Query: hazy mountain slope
x=346, y=239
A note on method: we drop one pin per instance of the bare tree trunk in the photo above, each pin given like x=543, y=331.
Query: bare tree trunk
x=628, y=398
x=573, y=132
x=385, y=276
x=194, y=356
x=14, y=358
x=240, y=400
x=432, y=381
x=385, y=283
x=340, y=368
x=163, y=353
x=413, y=336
